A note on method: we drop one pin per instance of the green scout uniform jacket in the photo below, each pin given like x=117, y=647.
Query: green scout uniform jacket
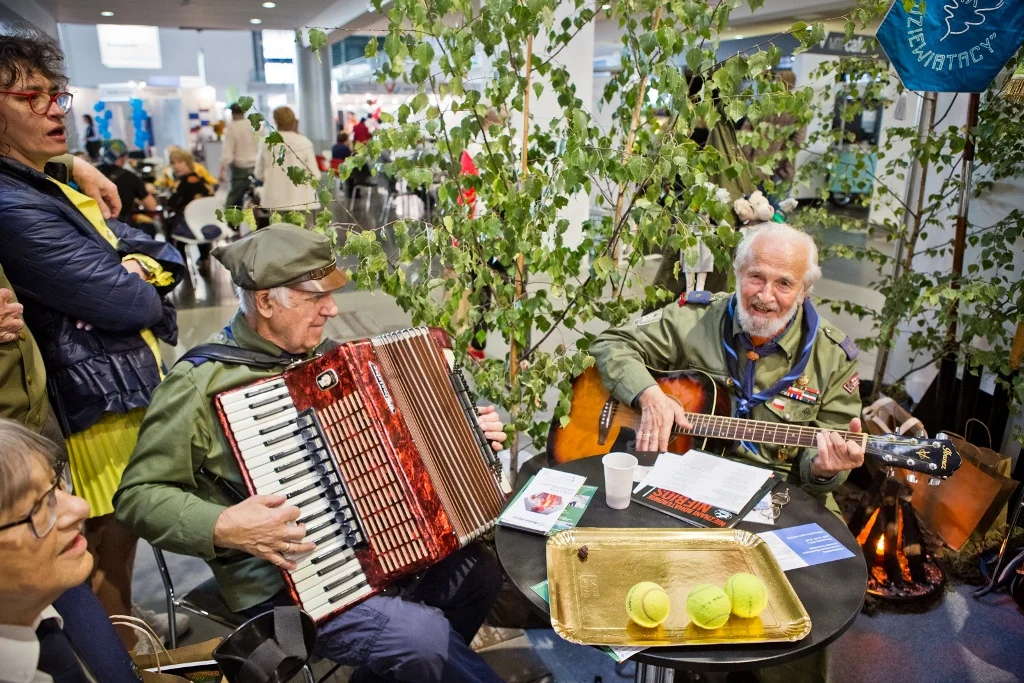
x=689, y=336
x=23, y=385
x=22, y=373
x=169, y=493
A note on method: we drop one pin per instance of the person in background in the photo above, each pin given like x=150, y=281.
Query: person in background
x=189, y=186
x=340, y=150
x=130, y=188
x=361, y=133
x=93, y=296
x=168, y=181
x=52, y=628
x=241, y=144
x=722, y=139
x=92, y=140
x=781, y=150
x=279, y=192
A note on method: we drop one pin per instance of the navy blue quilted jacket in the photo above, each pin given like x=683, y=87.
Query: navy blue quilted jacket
x=64, y=271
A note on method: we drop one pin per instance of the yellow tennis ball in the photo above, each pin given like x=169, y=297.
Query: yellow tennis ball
x=647, y=604
x=747, y=594
x=708, y=606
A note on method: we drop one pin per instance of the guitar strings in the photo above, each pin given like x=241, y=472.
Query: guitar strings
x=743, y=429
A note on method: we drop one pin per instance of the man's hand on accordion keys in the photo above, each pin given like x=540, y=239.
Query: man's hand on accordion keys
x=263, y=526
x=493, y=427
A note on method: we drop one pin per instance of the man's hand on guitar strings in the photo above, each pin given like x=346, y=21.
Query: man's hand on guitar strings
x=263, y=526
x=659, y=414
x=835, y=454
x=494, y=429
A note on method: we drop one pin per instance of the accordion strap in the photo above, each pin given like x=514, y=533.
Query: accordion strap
x=233, y=355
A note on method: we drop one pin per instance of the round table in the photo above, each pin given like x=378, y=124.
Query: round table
x=832, y=593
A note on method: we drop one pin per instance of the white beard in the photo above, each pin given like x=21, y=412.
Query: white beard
x=761, y=326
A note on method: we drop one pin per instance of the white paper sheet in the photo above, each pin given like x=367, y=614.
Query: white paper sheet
x=707, y=478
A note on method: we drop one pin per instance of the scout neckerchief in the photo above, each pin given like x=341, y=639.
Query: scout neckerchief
x=746, y=399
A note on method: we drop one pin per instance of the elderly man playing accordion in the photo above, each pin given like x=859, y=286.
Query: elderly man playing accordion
x=183, y=490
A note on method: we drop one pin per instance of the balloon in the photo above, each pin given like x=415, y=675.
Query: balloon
x=99, y=106
x=107, y=115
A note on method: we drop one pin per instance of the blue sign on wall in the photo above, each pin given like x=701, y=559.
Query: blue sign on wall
x=952, y=45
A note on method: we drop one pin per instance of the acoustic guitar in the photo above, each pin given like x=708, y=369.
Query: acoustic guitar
x=596, y=420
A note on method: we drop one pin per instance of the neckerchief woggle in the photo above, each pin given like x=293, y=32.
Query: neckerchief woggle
x=746, y=399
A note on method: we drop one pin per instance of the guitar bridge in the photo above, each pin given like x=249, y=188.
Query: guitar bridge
x=604, y=425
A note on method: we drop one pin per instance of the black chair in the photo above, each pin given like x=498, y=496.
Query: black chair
x=206, y=601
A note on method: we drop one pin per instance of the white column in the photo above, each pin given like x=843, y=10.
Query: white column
x=578, y=59
x=314, y=96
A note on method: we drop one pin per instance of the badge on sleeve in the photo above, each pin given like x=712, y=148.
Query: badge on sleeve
x=852, y=383
x=649, y=318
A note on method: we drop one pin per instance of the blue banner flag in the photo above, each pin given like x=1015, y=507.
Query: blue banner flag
x=952, y=45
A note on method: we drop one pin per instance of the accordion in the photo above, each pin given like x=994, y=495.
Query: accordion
x=377, y=443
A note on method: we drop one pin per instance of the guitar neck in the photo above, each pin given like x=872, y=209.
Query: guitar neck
x=757, y=431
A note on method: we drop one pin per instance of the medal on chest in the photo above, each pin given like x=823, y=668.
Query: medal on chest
x=803, y=394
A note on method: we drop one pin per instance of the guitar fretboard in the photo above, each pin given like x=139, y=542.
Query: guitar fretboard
x=757, y=431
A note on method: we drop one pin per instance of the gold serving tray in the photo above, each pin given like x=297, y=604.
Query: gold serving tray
x=588, y=597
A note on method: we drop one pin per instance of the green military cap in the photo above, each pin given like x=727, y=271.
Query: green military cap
x=283, y=255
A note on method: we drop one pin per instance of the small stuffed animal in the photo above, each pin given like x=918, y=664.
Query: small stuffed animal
x=763, y=210
x=744, y=211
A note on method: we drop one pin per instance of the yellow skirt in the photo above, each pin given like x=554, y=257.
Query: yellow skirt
x=98, y=456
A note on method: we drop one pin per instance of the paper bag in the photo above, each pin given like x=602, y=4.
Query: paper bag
x=969, y=502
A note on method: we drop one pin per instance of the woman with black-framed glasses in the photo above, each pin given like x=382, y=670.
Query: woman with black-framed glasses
x=50, y=622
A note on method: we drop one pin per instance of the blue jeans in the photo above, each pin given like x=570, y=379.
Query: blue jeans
x=421, y=635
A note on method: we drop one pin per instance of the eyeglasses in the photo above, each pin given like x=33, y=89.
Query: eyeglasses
x=779, y=500
x=40, y=101
x=43, y=515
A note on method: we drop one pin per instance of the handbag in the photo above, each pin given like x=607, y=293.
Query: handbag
x=196, y=660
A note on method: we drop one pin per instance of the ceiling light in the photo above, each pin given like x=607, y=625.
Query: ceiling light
x=106, y=14
x=270, y=5
x=255, y=21
x=738, y=37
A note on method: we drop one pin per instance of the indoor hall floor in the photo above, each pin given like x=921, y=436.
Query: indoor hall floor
x=960, y=640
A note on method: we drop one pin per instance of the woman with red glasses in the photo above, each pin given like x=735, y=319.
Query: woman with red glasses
x=93, y=296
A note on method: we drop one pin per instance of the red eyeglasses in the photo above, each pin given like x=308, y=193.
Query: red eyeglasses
x=40, y=101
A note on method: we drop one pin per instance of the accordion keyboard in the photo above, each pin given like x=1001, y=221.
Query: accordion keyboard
x=285, y=453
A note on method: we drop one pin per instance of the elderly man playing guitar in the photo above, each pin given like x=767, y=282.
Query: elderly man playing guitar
x=782, y=363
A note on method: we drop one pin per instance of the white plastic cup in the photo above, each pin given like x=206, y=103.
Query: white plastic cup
x=618, y=479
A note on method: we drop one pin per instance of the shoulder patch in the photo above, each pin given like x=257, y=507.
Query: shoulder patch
x=653, y=317
x=698, y=298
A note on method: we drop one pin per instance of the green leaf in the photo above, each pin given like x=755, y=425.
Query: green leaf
x=418, y=102
x=249, y=218
x=245, y=103
x=604, y=266
x=298, y=175
x=371, y=48
x=317, y=40
x=798, y=28
x=295, y=218
x=233, y=216
x=256, y=120
x=274, y=138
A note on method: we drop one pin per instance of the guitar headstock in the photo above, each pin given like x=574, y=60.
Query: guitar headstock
x=936, y=457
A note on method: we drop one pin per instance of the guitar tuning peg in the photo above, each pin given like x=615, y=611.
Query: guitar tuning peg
x=911, y=477
x=934, y=481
